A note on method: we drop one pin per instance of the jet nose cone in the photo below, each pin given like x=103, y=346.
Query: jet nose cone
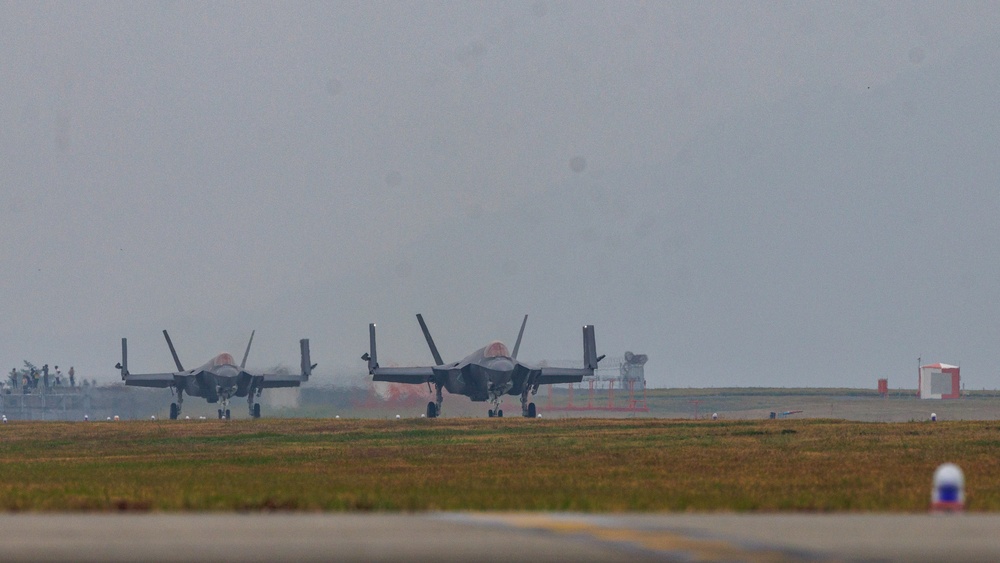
x=502, y=365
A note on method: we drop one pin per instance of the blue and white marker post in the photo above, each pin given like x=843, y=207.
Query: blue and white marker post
x=948, y=494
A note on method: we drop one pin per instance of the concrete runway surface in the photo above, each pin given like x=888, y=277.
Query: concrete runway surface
x=484, y=537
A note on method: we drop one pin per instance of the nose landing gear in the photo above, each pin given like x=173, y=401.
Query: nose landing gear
x=496, y=411
x=224, y=411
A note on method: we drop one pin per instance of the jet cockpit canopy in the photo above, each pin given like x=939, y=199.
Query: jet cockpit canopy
x=496, y=349
x=223, y=359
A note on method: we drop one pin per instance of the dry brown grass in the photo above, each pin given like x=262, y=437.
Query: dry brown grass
x=491, y=464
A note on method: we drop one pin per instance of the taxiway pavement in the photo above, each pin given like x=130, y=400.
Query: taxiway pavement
x=483, y=537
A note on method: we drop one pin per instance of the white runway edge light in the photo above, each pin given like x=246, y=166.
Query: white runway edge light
x=933, y=417
x=948, y=494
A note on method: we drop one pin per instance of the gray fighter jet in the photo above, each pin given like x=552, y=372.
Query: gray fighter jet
x=218, y=380
x=486, y=374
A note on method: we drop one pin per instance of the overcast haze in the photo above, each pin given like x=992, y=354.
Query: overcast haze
x=754, y=194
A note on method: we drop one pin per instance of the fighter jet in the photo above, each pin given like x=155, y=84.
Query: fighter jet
x=218, y=380
x=486, y=374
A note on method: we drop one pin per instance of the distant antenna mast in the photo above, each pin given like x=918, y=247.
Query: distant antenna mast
x=695, y=402
x=919, y=382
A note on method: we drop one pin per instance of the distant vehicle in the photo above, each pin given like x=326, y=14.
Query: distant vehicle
x=487, y=374
x=217, y=380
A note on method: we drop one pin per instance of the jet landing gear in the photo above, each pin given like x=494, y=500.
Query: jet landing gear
x=434, y=407
x=224, y=411
x=175, y=408
x=254, y=407
x=528, y=410
x=496, y=411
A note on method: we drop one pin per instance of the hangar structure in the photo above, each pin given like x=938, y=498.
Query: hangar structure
x=939, y=381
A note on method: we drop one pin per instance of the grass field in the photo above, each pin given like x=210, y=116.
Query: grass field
x=591, y=465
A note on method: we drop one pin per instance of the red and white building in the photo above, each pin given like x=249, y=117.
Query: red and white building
x=939, y=381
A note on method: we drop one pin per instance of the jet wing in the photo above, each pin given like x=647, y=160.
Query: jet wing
x=550, y=376
x=415, y=375
x=276, y=380
x=153, y=379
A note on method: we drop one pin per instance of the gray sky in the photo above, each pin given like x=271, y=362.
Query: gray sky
x=800, y=194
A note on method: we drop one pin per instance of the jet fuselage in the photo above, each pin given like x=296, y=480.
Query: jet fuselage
x=219, y=377
x=482, y=376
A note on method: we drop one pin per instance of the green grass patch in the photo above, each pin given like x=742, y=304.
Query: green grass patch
x=591, y=465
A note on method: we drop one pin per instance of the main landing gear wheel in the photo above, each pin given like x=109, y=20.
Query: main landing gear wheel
x=256, y=410
x=491, y=413
x=432, y=410
x=174, y=411
x=220, y=414
x=532, y=411
x=228, y=416
x=499, y=412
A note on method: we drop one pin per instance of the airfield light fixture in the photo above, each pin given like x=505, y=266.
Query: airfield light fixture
x=948, y=493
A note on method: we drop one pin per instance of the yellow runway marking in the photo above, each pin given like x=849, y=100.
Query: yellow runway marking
x=694, y=549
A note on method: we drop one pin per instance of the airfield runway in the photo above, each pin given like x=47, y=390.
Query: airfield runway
x=498, y=537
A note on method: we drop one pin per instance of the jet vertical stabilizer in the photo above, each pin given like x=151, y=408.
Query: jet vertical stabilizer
x=372, y=356
x=243, y=364
x=430, y=341
x=307, y=365
x=123, y=366
x=520, y=333
x=590, y=358
x=173, y=352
